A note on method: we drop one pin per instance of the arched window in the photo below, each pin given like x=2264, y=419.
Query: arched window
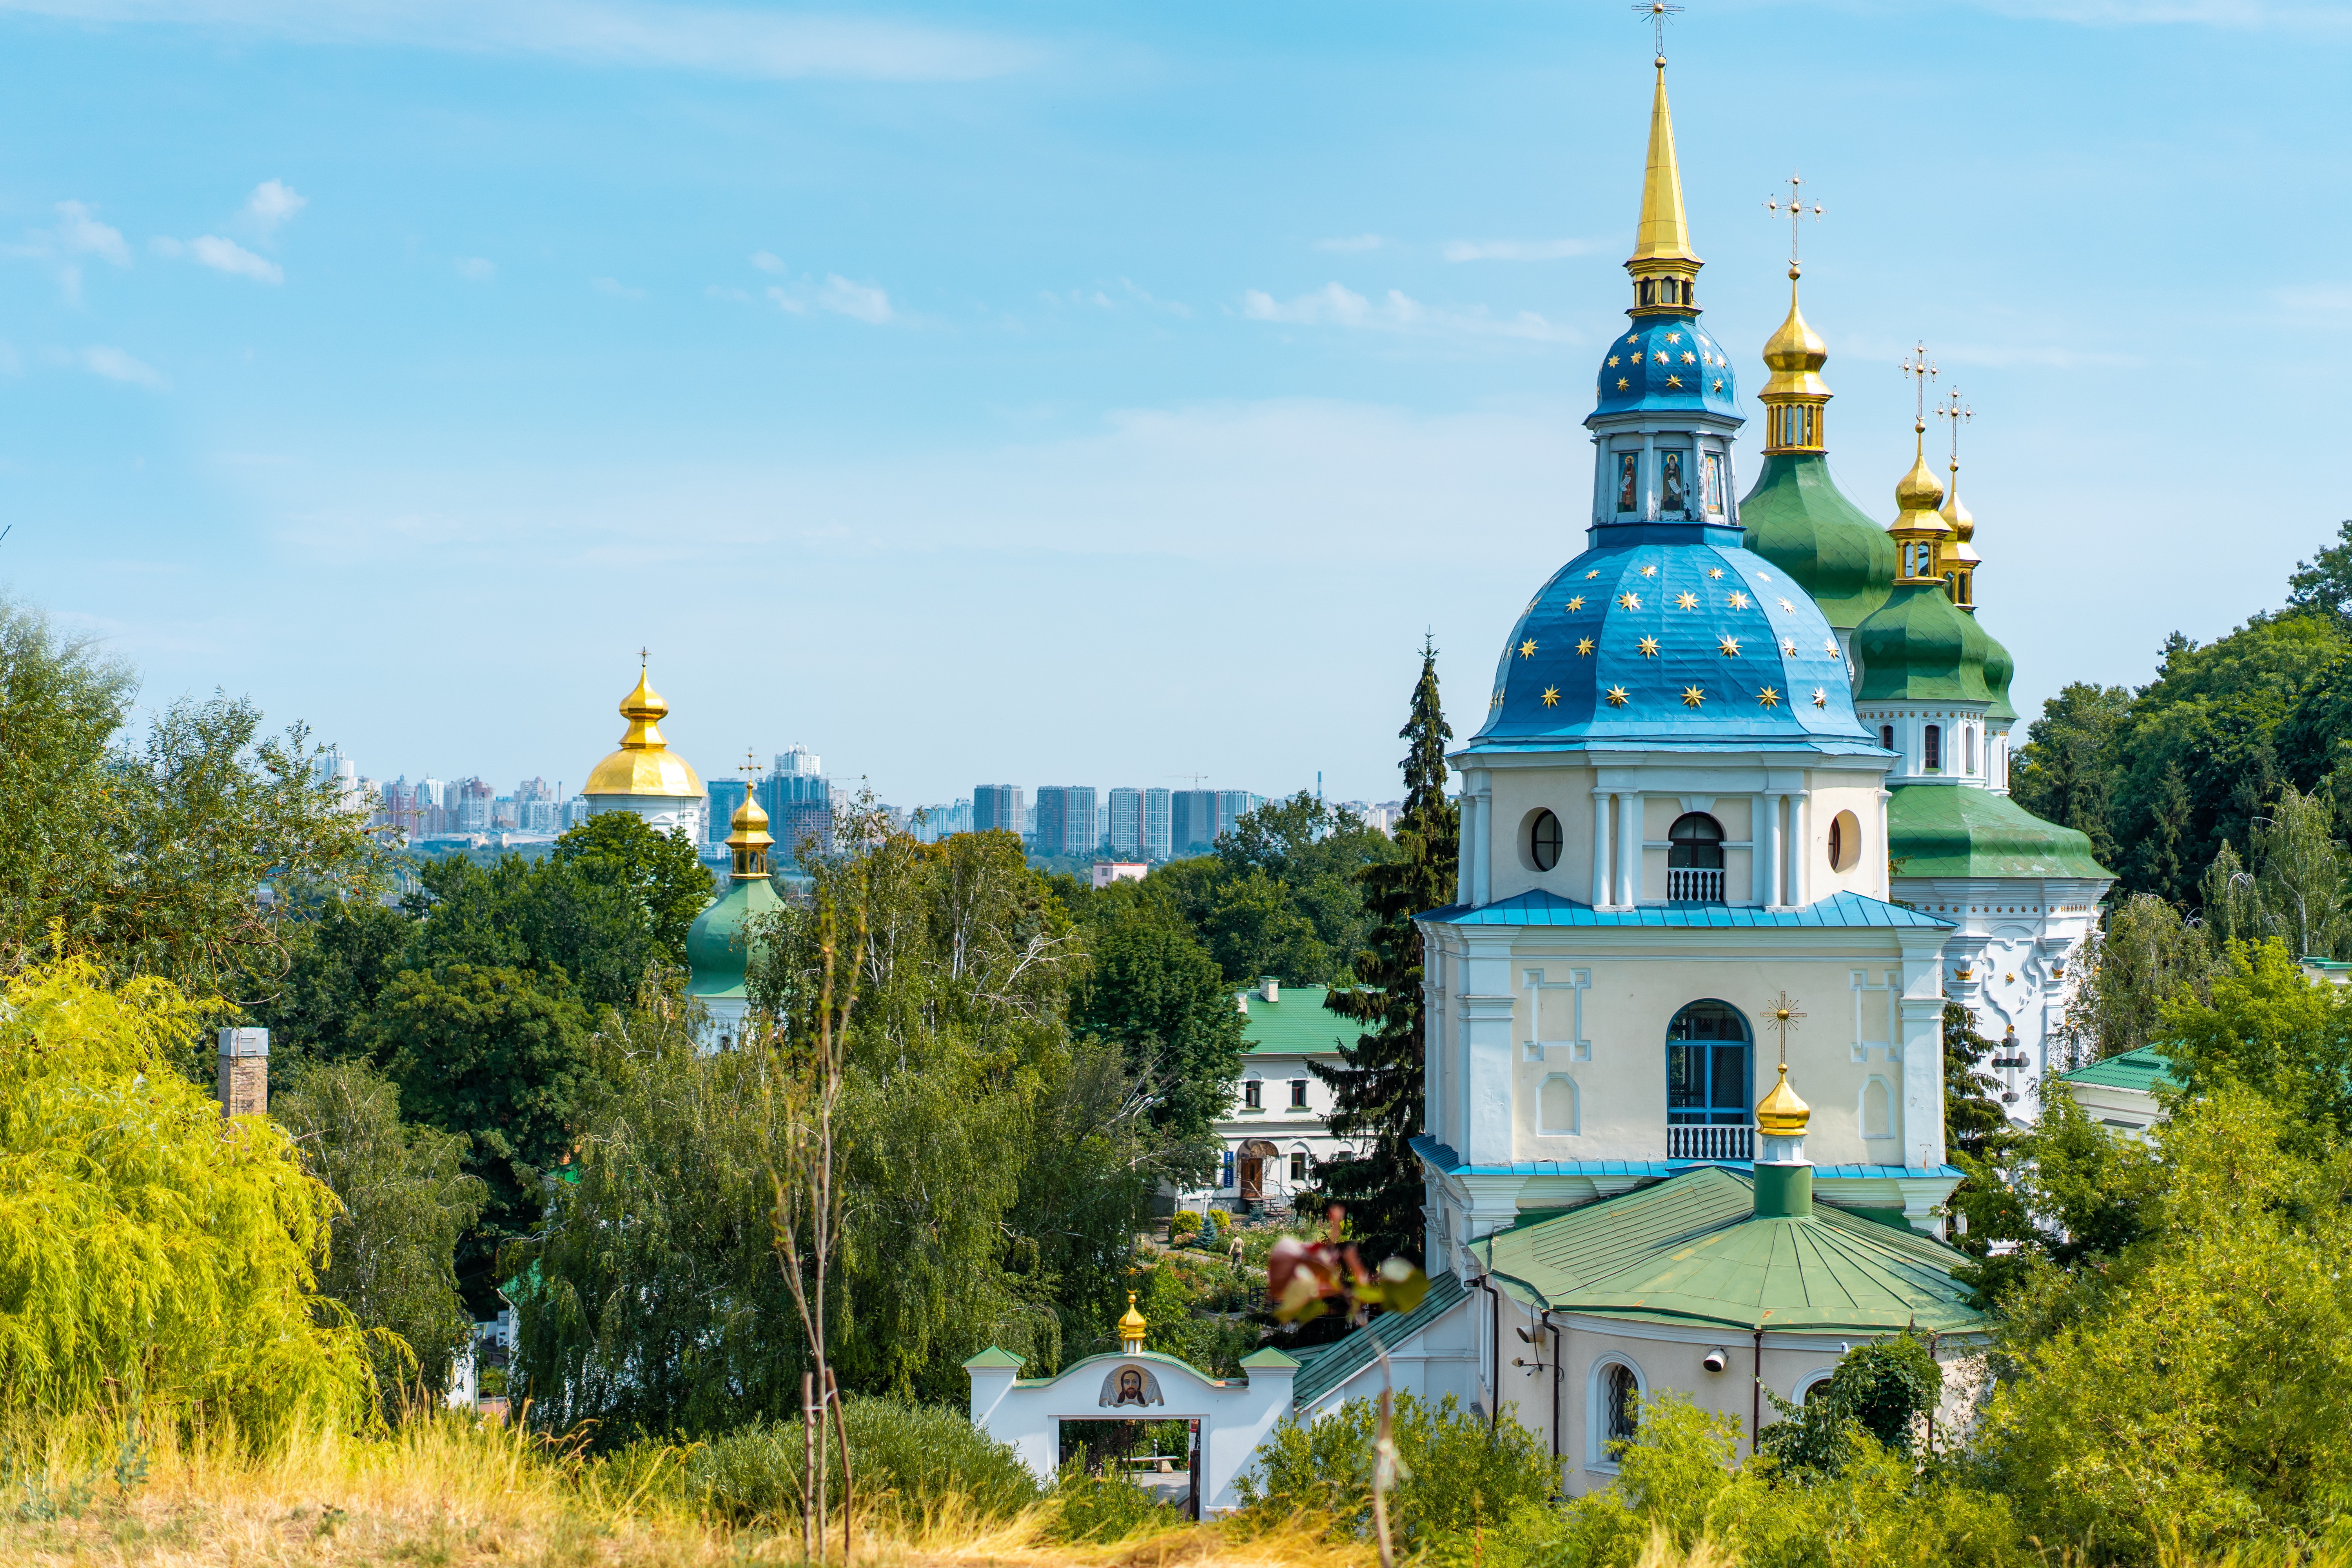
x=1543, y=841
x=1616, y=1409
x=1649, y=291
x=1710, y=1076
x=1931, y=748
x=1695, y=859
x=1887, y=736
x=1970, y=732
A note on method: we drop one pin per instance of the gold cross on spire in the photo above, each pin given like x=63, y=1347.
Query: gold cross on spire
x=1959, y=414
x=1659, y=13
x=751, y=768
x=1921, y=369
x=644, y=654
x=1782, y=1014
x=1798, y=212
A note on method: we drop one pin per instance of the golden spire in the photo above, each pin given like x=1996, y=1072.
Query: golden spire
x=1131, y=1328
x=645, y=709
x=1664, y=266
x=1920, y=533
x=1960, y=558
x=1796, y=396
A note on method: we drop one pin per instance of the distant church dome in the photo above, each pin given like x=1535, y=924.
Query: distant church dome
x=644, y=765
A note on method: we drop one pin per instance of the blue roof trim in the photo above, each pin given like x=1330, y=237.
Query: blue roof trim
x=1448, y=1163
x=1539, y=908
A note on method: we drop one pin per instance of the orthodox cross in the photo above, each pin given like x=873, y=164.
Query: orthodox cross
x=644, y=654
x=1782, y=1014
x=1959, y=413
x=1798, y=212
x=1922, y=370
x=749, y=770
x=1659, y=13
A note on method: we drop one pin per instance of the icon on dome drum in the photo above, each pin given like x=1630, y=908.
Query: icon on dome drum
x=1629, y=481
x=1670, y=482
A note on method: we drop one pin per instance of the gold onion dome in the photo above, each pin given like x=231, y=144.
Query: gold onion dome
x=1920, y=491
x=1782, y=1114
x=1131, y=1328
x=644, y=765
x=1796, y=354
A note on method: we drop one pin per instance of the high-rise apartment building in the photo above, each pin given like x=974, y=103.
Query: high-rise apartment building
x=799, y=804
x=726, y=796
x=1065, y=820
x=996, y=807
x=1156, y=824
x=1126, y=830
x=474, y=801
x=1199, y=817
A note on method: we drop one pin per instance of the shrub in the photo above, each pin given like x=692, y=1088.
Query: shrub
x=907, y=1459
x=1182, y=1226
x=1110, y=1507
x=1459, y=1472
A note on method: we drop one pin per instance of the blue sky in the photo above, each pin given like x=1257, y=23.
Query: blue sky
x=1103, y=394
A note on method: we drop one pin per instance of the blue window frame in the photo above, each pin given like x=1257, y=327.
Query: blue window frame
x=1226, y=1177
x=1710, y=1066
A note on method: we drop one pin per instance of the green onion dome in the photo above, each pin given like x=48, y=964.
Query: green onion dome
x=1799, y=520
x=1919, y=648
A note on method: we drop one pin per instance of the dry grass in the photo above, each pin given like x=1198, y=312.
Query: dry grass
x=454, y=1494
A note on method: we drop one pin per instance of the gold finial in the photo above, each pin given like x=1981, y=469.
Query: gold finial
x=1798, y=212
x=1781, y=1013
x=1920, y=533
x=750, y=841
x=1131, y=1328
x=1796, y=398
x=1960, y=557
x=1660, y=14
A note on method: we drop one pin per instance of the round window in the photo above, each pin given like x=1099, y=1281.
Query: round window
x=1846, y=842
x=1543, y=841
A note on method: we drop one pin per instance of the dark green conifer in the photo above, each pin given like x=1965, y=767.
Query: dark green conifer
x=1377, y=1091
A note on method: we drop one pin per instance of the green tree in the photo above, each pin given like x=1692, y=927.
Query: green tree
x=403, y=1202
x=584, y=935
x=494, y=1055
x=2066, y=773
x=1975, y=1121
x=2142, y=951
x=2300, y=870
x=1154, y=989
x=662, y=873
x=2065, y=1195
x=2269, y=1028
x=1887, y=1389
x=1379, y=1099
x=1255, y=928
x=151, y=854
x=2324, y=582
x=339, y=961
x=2195, y=1391
x=149, y=1255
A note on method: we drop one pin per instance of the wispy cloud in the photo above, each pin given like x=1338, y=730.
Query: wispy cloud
x=1337, y=305
x=768, y=261
x=1350, y=243
x=476, y=269
x=859, y=301
x=273, y=202
x=116, y=366
x=737, y=41
x=2330, y=301
x=79, y=233
x=614, y=289
x=222, y=255
x=1517, y=249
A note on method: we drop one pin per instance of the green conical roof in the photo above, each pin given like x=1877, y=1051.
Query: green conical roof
x=1919, y=647
x=1692, y=1250
x=716, y=949
x=1959, y=830
x=1797, y=518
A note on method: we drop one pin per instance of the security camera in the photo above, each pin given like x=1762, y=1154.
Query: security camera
x=1716, y=1361
x=1523, y=1334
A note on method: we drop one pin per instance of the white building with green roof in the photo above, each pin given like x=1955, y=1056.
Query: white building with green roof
x=1277, y=1130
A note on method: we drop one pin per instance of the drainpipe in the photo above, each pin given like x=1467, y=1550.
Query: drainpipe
x=1495, y=1341
x=1756, y=1420
x=1554, y=1332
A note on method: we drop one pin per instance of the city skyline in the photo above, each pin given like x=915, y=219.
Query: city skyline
x=1172, y=352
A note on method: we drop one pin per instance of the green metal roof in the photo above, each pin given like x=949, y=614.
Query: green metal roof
x=2142, y=1069
x=1959, y=830
x=1692, y=1250
x=1326, y=1367
x=1916, y=648
x=1297, y=1025
x=1799, y=520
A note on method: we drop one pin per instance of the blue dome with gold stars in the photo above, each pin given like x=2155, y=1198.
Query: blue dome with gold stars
x=1676, y=634
x=1666, y=362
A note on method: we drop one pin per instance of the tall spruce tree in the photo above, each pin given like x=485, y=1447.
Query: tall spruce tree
x=1377, y=1091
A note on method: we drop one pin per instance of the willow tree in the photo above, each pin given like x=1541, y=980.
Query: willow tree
x=149, y=1255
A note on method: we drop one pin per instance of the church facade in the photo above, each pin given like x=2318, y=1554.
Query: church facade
x=1735, y=828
